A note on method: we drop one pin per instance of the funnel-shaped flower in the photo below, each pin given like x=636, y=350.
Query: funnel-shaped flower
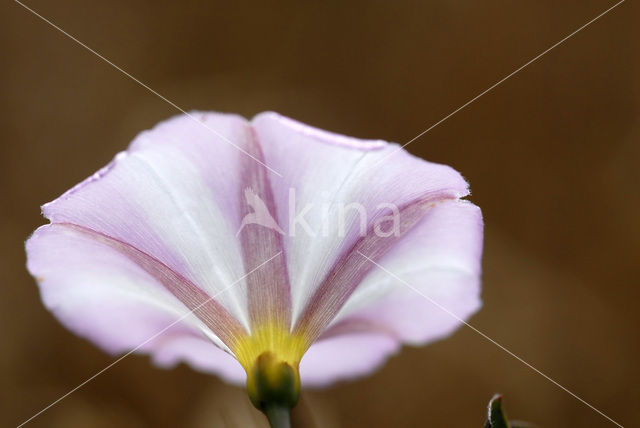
x=272, y=265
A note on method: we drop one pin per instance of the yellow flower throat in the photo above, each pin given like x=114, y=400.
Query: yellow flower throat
x=271, y=356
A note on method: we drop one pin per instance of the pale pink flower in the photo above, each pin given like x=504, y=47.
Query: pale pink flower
x=160, y=231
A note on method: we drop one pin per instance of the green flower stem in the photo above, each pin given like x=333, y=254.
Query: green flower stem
x=278, y=416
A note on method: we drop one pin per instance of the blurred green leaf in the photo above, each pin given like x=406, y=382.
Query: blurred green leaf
x=496, y=417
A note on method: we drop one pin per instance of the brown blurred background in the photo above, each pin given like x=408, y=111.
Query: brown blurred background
x=552, y=156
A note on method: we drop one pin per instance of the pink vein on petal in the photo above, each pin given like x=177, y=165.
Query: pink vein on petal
x=351, y=268
x=268, y=290
x=210, y=312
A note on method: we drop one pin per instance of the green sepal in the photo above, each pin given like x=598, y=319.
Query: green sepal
x=273, y=383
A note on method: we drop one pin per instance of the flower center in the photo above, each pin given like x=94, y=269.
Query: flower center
x=271, y=355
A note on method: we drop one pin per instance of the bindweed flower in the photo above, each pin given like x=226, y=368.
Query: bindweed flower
x=262, y=238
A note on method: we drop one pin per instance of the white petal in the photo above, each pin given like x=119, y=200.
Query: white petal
x=327, y=172
x=439, y=259
x=175, y=196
